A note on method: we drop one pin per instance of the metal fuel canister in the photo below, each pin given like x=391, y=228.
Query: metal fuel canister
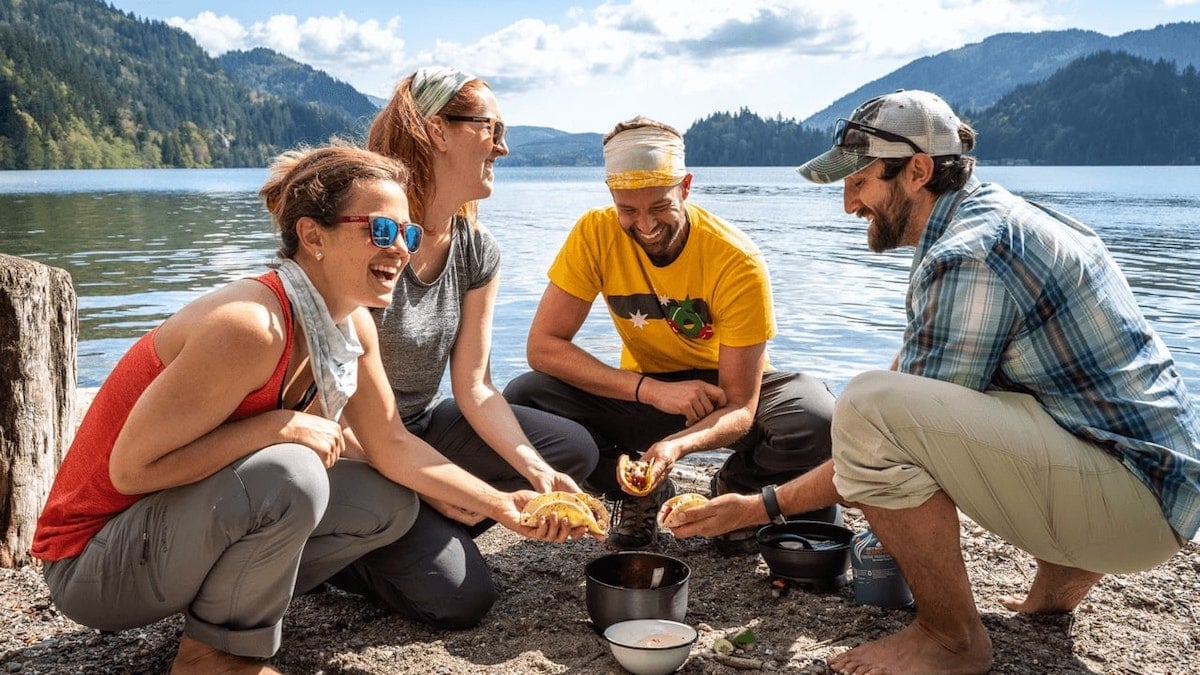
x=877, y=578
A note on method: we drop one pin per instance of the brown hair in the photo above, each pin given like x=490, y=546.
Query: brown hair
x=950, y=172
x=637, y=123
x=399, y=131
x=317, y=183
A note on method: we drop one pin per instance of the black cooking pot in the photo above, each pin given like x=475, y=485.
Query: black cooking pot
x=805, y=549
x=635, y=585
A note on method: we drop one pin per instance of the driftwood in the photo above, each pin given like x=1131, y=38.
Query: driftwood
x=38, y=333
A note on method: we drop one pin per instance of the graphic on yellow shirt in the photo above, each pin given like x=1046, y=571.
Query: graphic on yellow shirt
x=689, y=318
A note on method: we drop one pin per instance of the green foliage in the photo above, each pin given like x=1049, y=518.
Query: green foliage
x=977, y=75
x=83, y=85
x=1109, y=108
x=745, y=139
x=1104, y=109
x=267, y=71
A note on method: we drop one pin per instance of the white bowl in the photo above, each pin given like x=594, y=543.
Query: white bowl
x=650, y=646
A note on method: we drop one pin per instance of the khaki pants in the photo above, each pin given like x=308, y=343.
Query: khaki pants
x=898, y=439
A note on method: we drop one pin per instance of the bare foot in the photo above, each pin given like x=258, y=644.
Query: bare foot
x=1055, y=589
x=916, y=650
x=196, y=657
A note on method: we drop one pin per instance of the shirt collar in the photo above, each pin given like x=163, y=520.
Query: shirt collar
x=939, y=219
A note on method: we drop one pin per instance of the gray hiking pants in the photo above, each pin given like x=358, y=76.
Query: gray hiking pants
x=229, y=551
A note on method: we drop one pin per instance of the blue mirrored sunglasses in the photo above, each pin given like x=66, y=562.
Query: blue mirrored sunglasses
x=384, y=231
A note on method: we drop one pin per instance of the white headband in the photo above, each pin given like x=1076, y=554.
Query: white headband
x=433, y=87
x=644, y=157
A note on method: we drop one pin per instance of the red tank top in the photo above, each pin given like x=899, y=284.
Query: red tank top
x=83, y=499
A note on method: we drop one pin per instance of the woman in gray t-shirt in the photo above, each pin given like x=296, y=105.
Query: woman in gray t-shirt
x=445, y=126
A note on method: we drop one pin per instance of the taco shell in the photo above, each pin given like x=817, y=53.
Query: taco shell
x=577, y=509
x=635, y=476
x=667, y=515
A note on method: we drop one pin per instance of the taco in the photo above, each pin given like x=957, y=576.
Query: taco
x=635, y=476
x=576, y=508
x=668, y=514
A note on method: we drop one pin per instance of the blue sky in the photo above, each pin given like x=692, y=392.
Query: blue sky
x=584, y=66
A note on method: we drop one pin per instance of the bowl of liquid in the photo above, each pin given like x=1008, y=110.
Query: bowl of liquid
x=650, y=646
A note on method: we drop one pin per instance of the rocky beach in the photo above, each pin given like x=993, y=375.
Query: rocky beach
x=1143, y=623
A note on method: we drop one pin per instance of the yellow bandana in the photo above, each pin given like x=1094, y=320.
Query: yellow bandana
x=644, y=157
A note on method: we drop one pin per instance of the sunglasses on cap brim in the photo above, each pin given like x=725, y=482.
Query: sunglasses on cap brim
x=845, y=126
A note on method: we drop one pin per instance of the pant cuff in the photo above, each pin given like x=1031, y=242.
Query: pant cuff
x=260, y=643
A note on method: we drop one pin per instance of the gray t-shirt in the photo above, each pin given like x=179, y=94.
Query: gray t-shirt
x=417, y=331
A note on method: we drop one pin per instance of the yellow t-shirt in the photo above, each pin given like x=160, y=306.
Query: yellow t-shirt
x=717, y=292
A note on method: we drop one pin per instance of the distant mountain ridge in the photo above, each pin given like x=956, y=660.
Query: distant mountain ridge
x=83, y=85
x=543, y=146
x=266, y=70
x=1107, y=108
x=977, y=75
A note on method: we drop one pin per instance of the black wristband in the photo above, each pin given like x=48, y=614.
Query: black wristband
x=771, y=503
x=637, y=391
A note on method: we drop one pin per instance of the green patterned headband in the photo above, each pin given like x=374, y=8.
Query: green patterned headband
x=433, y=87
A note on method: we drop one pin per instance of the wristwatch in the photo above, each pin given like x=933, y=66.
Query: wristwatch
x=771, y=502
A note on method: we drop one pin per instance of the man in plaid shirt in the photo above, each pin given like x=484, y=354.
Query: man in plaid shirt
x=1029, y=392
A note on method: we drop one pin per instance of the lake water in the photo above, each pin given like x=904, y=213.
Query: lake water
x=140, y=244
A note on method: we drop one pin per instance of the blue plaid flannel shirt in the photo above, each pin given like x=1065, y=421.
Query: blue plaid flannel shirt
x=1008, y=295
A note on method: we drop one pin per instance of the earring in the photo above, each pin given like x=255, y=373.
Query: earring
x=319, y=255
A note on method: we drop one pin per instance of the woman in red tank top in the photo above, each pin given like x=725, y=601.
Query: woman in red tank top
x=205, y=478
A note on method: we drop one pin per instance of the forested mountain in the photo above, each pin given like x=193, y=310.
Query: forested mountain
x=977, y=75
x=543, y=146
x=745, y=139
x=270, y=71
x=1108, y=108
x=83, y=85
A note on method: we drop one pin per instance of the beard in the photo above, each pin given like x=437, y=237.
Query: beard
x=665, y=251
x=891, y=223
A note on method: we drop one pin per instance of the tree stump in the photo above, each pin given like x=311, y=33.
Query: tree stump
x=38, y=334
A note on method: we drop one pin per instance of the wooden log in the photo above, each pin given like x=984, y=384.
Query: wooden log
x=38, y=334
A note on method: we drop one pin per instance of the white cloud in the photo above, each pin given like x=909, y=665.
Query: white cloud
x=338, y=45
x=215, y=34
x=691, y=37
x=641, y=54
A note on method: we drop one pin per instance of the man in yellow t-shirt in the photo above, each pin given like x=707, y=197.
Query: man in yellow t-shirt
x=690, y=297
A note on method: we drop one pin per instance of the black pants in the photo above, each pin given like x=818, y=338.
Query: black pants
x=435, y=574
x=790, y=434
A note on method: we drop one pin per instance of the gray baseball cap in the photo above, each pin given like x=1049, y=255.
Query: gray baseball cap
x=899, y=124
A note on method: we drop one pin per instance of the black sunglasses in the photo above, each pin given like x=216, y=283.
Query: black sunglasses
x=844, y=125
x=384, y=231
x=497, y=127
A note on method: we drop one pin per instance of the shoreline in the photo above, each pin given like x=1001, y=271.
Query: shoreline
x=1138, y=623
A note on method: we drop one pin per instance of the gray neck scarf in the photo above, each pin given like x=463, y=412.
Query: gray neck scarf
x=433, y=87
x=333, y=349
